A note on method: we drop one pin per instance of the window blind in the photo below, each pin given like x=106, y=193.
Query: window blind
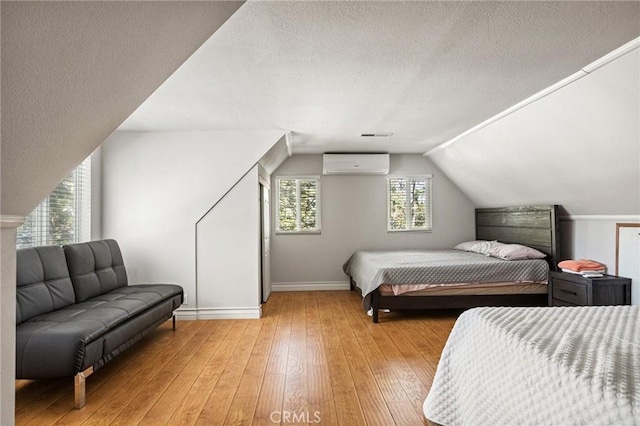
x=298, y=204
x=409, y=203
x=63, y=217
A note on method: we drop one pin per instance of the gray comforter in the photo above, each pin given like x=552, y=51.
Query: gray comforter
x=370, y=269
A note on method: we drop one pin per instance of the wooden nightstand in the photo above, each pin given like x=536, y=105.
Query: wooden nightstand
x=566, y=289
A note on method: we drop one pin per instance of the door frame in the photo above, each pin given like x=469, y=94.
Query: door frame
x=265, y=228
x=618, y=226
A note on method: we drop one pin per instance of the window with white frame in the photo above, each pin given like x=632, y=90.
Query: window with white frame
x=63, y=217
x=409, y=203
x=297, y=204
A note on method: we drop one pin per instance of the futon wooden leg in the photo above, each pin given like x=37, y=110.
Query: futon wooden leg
x=173, y=318
x=79, y=387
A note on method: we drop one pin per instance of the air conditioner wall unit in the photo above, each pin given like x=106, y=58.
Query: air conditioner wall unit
x=348, y=164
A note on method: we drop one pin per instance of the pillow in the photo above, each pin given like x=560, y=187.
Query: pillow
x=467, y=245
x=483, y=247
x=515, y=252
x=478, y=246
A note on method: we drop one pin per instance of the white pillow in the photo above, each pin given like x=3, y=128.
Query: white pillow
x=483, y=247
x=478, y=246
x=467, y=245
x=515, y=252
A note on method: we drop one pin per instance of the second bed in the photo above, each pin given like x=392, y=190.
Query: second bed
x=444, y=279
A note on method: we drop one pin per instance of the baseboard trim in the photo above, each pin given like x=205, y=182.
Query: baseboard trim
x=186, y=314
x=311, y=286
x=594, y=217
x=218, y=313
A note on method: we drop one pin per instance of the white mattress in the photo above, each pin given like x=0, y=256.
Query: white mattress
x=540, y=366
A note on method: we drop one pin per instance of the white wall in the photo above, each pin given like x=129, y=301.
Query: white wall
x=578, y=147
x=354, y=218
x=229, y=254
x=157, y=185
x=96, y=194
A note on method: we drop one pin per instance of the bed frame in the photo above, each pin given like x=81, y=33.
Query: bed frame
x=533, y=226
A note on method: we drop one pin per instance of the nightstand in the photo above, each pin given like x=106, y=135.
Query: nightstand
x=566, y=289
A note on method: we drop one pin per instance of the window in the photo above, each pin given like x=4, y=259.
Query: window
x=409, y=203
x=64, y=216
x=298, y=204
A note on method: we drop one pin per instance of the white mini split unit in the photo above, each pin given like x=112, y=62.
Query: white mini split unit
x=351, y=164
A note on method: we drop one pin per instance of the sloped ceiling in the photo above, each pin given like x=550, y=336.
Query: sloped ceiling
x=73, y=71
x=327, y=71
x=578, y=147
x=425, y=71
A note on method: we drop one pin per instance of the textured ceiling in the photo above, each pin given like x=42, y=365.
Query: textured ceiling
x=426, y=71
x=73, y=71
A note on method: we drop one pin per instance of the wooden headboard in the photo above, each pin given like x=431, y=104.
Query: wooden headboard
x=533, y=226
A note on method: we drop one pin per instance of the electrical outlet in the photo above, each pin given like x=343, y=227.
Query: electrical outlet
x=186, y=299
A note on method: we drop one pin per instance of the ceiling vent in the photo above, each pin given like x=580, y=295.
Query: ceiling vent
x=376, y=135
x=349, y=164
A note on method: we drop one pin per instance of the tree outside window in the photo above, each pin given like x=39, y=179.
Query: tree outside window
x=298, y=204
x=63, y=217
x=409, y=203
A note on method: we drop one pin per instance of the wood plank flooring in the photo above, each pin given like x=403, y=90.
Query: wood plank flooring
x=314, y=357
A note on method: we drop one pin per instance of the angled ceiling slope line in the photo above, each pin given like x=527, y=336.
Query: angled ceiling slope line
x=610, y=57
x=72, y=72
x=277, y=155
x=578, y=147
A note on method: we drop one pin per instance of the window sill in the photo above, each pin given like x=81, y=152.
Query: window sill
x=298, y=232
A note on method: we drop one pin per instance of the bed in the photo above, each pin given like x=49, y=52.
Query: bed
x=532, y=226
x=560, y=365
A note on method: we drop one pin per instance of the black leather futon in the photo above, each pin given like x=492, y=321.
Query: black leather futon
x=75, y=311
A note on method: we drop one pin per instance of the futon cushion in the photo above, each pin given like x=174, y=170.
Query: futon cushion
x=43, y=283
x=56, y=344
x=95, y=268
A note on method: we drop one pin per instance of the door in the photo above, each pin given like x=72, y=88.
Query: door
x=265, y=217
x=628, y=256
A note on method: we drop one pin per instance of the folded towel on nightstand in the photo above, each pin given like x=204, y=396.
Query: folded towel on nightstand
x=581, y=265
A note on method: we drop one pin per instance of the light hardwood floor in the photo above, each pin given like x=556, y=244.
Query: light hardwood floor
x=314, y=357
